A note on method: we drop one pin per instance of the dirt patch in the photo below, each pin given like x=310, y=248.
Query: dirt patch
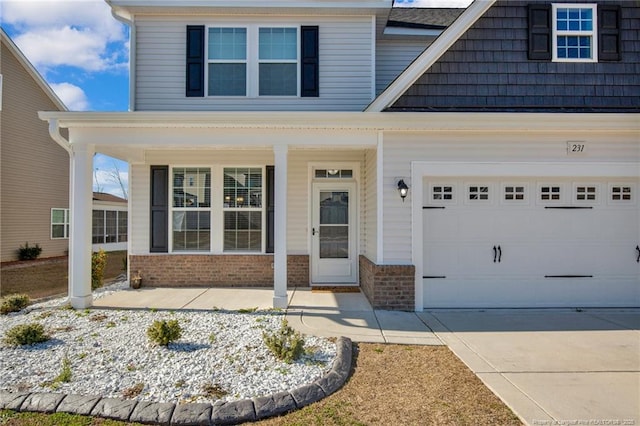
x=48, y=277
x=406, y=385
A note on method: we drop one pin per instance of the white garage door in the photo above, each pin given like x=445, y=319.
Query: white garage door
x=531, y=243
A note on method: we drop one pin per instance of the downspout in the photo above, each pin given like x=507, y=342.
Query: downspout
x=54, y=132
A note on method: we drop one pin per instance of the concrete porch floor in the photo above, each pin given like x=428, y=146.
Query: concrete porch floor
x=317, y=313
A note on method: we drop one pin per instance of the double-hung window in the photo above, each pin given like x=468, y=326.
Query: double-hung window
x=575, y=32
x=191, y=209
x=59, y=223
x=242, y=209
x=227, y=61
x=252, y=61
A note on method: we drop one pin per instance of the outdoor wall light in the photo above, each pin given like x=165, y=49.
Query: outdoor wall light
x=403, y=189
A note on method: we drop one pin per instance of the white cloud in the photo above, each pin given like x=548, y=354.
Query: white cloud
x=71, y=95
x=105, y=175
x=77, y=33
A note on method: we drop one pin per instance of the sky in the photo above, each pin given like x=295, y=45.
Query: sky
x=82, y=52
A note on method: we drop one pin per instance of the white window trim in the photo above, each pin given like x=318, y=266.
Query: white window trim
x=593, y=33
x=598, y=193
x=563, y=193
x=454, y=193
x=119, y=214
x=526, y=193
x=253, y=61
x=66, y=224
x=612, y=202
x=479, y=202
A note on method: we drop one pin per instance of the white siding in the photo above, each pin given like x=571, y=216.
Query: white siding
x=393, y=57
x=400, y=149
x=345, y=65
x=369, y=207
x=298, y=187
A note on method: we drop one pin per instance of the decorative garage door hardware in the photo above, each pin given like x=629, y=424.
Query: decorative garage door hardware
x=568, y=276
x=497, y=254
x=433, y=277
x=433, y=207
x=569, y=207
x=638, y=251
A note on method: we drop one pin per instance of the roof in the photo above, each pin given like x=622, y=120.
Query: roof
x=103, y=196
x=28, y=66
x=434, y=18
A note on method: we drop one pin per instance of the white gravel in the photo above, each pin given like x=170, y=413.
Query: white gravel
x=110, y=354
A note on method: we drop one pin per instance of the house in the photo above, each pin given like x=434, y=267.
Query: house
x=34, y=183
x=491, y=160
x=109, y=222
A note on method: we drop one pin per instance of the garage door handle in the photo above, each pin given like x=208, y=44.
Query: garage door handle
x=499, y=254
x=638, y=250
x=495, y=254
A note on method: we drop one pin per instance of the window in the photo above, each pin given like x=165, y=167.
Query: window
x=227, y=61
x=621, y=193
x=333, y=173
x=234, y=69
x=514, y=193
x=550, y=193
x=574, y=32
x=59, y=223
x=478, y=193
x=442, y=192
x=108, y=226
x=242, y=207
x=191, y=209
x=278, y=61
x=585, y=193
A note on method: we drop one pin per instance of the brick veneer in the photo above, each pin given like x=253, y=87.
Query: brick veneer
x=193, y=270
x=388, y=286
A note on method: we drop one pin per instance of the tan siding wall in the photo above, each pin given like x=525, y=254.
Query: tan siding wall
x=400, y=149
x=35, y=170
x=345, y=65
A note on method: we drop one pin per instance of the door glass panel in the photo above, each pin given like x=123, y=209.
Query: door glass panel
x=334, y=224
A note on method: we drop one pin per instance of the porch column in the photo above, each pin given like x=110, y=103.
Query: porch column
x=280, y=299
x=80, y=206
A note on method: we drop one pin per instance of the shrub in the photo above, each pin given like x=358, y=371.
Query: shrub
x=25, y=334
x=164, y=332
x=286, y=344
x=29, y=253
x=14, y=303
x=98, y=264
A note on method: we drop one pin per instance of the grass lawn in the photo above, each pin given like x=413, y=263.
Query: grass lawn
x=390, y=385
x=48, y=277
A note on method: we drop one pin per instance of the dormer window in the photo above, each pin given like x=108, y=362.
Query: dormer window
x=574, y=32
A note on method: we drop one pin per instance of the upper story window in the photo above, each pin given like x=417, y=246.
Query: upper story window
x=252, y=61
x=574, y=32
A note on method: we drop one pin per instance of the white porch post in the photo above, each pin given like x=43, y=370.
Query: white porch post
x=80, y=226
x=280, y=299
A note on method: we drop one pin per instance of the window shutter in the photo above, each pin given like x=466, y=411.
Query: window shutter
x=609, y=33
x=195, y=61
x=159, y=214
x=270, y=180
x=310, y=75
x=540, y=31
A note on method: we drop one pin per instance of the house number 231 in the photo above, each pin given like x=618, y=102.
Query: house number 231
x=576, y=148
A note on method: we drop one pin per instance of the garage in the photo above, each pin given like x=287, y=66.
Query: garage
x=520, y=241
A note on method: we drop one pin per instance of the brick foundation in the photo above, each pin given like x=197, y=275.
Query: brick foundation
x=388, y=286
x=200, y=270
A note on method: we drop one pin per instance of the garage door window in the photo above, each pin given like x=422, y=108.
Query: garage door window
x=442, y=193
x=514, y=193
x=621, y=193
x=585, y=193
x=478, y=193
x=550, y=193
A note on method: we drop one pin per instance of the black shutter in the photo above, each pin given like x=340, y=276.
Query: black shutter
x=310, y=67
x=609, y=33
x=540, y=31
x=195, y=61
x=159, y=214
x=270, y=180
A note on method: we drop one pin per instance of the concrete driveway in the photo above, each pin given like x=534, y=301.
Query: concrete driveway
x=552, y=367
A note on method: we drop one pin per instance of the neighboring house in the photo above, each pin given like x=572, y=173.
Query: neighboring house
x=268, y=141
x=34, y=183
x=109, y=222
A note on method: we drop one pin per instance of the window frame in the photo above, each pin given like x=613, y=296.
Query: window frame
x=173, y=209
x=253, y=61
x=555, y=33
x=262, y=209
x=65, y=223
x=244, y=61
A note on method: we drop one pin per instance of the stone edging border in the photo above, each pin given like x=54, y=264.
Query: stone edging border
x=220, y=413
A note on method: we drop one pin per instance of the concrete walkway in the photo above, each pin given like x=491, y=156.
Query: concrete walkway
x=550, y=366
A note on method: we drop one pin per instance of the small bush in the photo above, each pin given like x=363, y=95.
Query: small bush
x=98, y=264
x=14, y=303
x=26, y=334
x=286, y=344
x=164, y=332
x=29, y=253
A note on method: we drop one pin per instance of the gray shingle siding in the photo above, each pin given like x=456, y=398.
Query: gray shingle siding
x=488, y=69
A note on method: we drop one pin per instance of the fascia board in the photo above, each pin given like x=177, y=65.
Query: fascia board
x=380, y=121
x=423, y=62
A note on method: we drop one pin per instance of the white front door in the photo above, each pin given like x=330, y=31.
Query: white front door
x=334, y=257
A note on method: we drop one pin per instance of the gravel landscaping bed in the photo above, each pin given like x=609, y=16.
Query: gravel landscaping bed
x=220, y=356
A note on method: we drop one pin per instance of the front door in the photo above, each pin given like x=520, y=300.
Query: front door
x=333, y=233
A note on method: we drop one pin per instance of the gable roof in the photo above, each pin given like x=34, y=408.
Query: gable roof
x=423, y=62
x=103, y=196
x=15, y=51
x=428, y=18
